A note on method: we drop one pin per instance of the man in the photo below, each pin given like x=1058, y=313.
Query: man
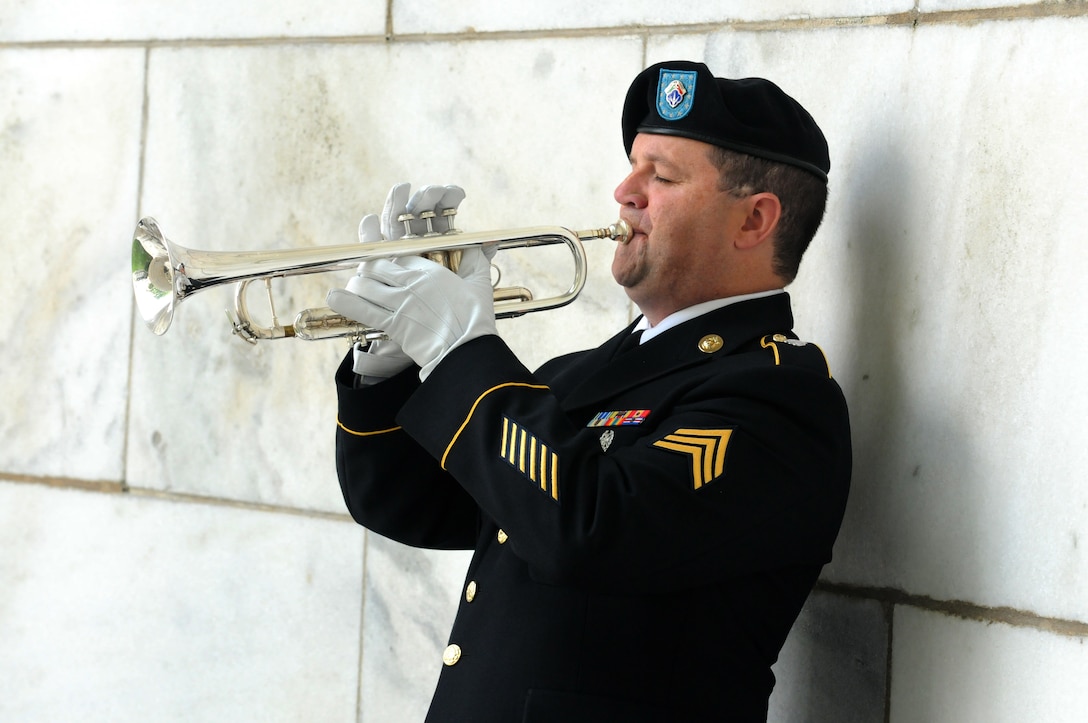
x=647, y=523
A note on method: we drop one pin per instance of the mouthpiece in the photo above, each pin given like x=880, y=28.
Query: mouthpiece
x=619, y=231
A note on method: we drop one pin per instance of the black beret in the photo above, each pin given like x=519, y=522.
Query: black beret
x=750, y=115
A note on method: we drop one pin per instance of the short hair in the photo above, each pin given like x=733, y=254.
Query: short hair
x=802, y=194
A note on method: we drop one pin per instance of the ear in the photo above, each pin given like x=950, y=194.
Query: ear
x=763, y=210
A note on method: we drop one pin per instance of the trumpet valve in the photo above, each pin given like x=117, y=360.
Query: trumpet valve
x=406, y=219
x=428, y=217
x=450, y=258
x=449, y=214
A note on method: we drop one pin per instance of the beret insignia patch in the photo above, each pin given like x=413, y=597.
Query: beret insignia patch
x=675, y=93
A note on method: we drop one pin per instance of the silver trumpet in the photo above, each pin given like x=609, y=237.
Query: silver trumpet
x=164, y=274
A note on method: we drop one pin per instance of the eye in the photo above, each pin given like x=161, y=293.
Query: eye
x=662, y=179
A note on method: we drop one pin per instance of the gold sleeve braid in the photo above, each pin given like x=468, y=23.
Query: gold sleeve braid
x=365, y=434
x=472, y=410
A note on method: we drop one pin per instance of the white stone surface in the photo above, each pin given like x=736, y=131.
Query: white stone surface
x=947, y=670
x=69, y=153
x=968, y=307
x=114, y=20
x=122, y=608
x=435, y=16
x=929, y=6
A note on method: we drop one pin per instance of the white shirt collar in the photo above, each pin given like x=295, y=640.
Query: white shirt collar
x=679, y=317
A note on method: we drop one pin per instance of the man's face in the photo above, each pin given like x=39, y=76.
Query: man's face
x=678, y=218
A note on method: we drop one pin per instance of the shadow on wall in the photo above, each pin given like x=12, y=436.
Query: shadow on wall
x=913, y=519
x=833, y=668
x=913, y=457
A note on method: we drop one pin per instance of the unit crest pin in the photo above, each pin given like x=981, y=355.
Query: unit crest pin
x=606, y=439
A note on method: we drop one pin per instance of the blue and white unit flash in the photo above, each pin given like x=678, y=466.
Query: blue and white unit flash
x=675, y=93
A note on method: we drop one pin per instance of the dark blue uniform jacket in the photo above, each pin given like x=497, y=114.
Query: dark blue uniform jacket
x=646, y=526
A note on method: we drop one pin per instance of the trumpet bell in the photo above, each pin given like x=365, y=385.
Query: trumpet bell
x=153, y=276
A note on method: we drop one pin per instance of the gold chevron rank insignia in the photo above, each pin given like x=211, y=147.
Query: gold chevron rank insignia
x=534, y=459
x=706, y=447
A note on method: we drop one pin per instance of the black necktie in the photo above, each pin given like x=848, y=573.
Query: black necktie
x=630, y=342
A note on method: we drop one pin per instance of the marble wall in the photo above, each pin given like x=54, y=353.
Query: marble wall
x=172, y=540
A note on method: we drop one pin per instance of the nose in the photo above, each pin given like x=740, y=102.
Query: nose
x=629, y=193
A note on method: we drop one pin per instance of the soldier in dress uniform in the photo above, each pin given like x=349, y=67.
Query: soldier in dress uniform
x=648, y=517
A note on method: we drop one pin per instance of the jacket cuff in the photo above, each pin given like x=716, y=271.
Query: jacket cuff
x=373, y=407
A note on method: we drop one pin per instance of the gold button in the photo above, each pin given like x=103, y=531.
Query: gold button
x=470, y=591
x=780, y=337
x=503, y=537
x=451, y=654
x=710, y=343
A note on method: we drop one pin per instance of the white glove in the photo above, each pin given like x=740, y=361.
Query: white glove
x=443, y=323
x=384, y=359
x=424, y=307
x=428, y=198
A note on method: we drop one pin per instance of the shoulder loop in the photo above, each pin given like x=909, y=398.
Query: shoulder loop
x=793, y=352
